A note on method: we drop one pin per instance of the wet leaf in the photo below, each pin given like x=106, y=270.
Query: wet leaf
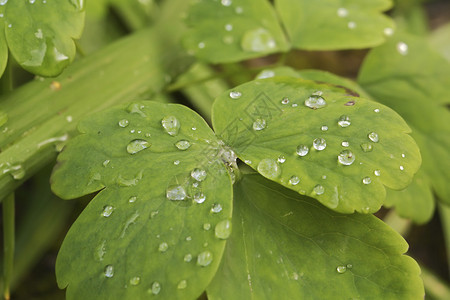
x=277, y=251
x=228, y=31
x=40, y=33
x=353, y=25
x=318, y=140
x=150, y=229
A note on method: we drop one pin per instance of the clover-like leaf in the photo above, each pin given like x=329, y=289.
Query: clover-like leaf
x=318, y=140
x=40, y=33
x=277, y=251
x=228, y=31
x=158, y=224
x=337, y=25
x=408, y=76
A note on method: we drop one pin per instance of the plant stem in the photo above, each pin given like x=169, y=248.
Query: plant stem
x=8, y=237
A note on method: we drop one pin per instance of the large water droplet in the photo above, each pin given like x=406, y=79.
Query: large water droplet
x=315, y=102
x=294, y=180
x=123, y=123
x=171, y=125
x=109, y=271
x=346, y=157
x=235, y=95
x=176, y=193
x=199, y=198
x=163, y=247
x=135, y=280
x=373, y=136
x=259, y=124
x=223, y=229
x=367, y=180
x=341, y=269
x=107, y=210
x=319, y=189
x=319, y=144
x=302, y=150
x=198, y=174
x=204, y=258
x=156, y=288
x=182, y=145
x=216, y=208
x=344, y=121
x=258, y=40
x=366, y=147
x=136, y=146
x=182, y=284
x=269, y=168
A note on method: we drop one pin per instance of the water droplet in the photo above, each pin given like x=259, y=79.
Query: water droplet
x=106, y=162
x=373, y=136
x=351, y=25
x=228, y=27
x=109, y=271
x=324, y=128
x=199, y=198
x=319, y=144
x=294, y=105
x=281, y=159
x=235, y=95
x=223, y=229
x=403, y=155
x=402, y=168
x=315, y=102
x=376, y=110
x=204, y=258
x=324, y=177
x=123, y=123
x=201, y=45
x=132, y=199
x=136, y=146
x=285, y=100
x=182, y=145
x=239, y=10
x=194, y=128
x=176, y=193
x=163, y=247
x=346, y=157
x=16, y=171
x=107, y=211
x=342, y=12
x=345, y=144
x=101, y=251
x=302, y=150
x=388, y=31
x=216, y=208
x=259, y=124
x=266, y=74
x=206, y=226
x=188, y=257
x=226, y=2
x=344, y=121
x=377, y=172
x=198, y=174
x=319, y=189
x=176, y=162
x=129, y=182
x=182, y=284
x=135, y=280
x=258, y=40
x=367, y=180
x=171, y=125
x=156, y=288
x=341, y=269
x=269, y=168
x=366, y=147
x=402, y=48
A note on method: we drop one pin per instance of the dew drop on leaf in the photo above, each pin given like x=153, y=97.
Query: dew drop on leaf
x=285, y=100
x=258, y=40
x=402, y=48
x=346, y=157
x=315, y=102
x=109, y=271
x=324, y=128
x=205, y=258
x=176, y=193
x=302, y=150
x=319, y=189
x=132, y=199
x=182, y=284
x=319, y=144
x=106, y=162
x=281, y=159
x=294, y=180
x=235, y=95
x=366, y=147
x=269, y=168
x=135, y=280
x=345, y=144
x=223, y=229
x=341, y=269
x=107, y=211
x=367, y=180
x=342, y=12
x=199, y=198
x=377, y=172
x=171, y=125
x=373, y=136
x=344, y=121
x=123, y=123
x=216, y=208
x=156, y=288
x=198, y=174
x=259, y=124
x=206, y=226
x=182, y=145
x=188, y=257
x=136, y=146
x=163, y=247
x=226, y=2
x=402, y=168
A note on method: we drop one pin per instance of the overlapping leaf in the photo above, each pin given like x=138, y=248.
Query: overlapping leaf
x=40, y=33
x=228, y=31
x=3, y=46
x=163, y=191
x=318, y=140
x=277, y=251
x=408, y=76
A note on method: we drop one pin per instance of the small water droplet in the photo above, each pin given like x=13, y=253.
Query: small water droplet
x=216, y=208
x=107, y=211
x=176, y=193
x=351, y=25
x=319, y=144
x=342, y=12
x=388, y=31
x=315, y=102
x=341, y=269
x=109, y=271
x=199, y=198
x=138, y=145
x=346, y=157
x=198, y=174
x=294, y=105
x=281, y=159
x=344, y=121
x=302, y=150
x=402, y=168
x=324, y=128
x=367, y=180
x=239, y=10
x=248, y=162
x=403, y=155
x=377, y=172
x=226, y=2
x=294, y=180
x=188, y=257
x=366, y=147
x=285, y=100
x=228, y=27
x=349, y=266
x=266, y=74
x=319, y=189
x=235, y=95
x=345, y=144
x=201, y=45
x=350, y=103
x=223, y=229
x=135, y=280
x=402, y=48
x=365, y=210
x=204, y=258
x=176, y=162
x=206, y=226
x=376, y=110
x=259, y=124
x=156, y=288
x=163, y=247
x=123, y=123
x=182, y=145
x=373, y=136
x=189, y=238
x=269, y=168
x=171, y=125
x=324, y=177
x=132, y=199
x=182, y=284
x=258, y=40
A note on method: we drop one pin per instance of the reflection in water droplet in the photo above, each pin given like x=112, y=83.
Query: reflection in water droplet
x=302, y=150
x=198, y=174
x=373, y=136
x=324, y=128
x=171, y=125
x=294, y=180
x=109, y=271
x=204, y=258
x=377, y=172
x=216, y=208
x=137, y=145
x=259, y=124
x=107, y=211
x=132, y=199
x=281, y=159
x=346, y=157
x=163, y=247
x=183, y=145
x=319, y=189
x=285, y=100
x=345, y=144
x=188, y=257
x=366, y=147
x=235, y=95
x=156, y=288
x=199, y=198
x=367, y=180
x=223, y=229
x=341, y=269
x=315, y=102
x=269, y=168
x=402, y=48
x=258, y=40
x=182, y=284
x=135, y=280
x=176, y=193
x=344, y=121
x=319, y=144
x=123, y=123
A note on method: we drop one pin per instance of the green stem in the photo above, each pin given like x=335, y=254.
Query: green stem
x=8, y=237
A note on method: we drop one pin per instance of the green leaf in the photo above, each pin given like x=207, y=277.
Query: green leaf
x=3, y=47
x=408, y=76
x=225, y=31
x=285, y=142
x=277, y=251
x=439, y=40
x=40, y=33
x=330, y=25
x=132, y=241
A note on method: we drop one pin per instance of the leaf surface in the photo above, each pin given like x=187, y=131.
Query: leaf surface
x=40, y=33
x=333, y=25
x=3, y=46
x=343, y=153
x=278, y=251
x=150, y=229
x=229, y=31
